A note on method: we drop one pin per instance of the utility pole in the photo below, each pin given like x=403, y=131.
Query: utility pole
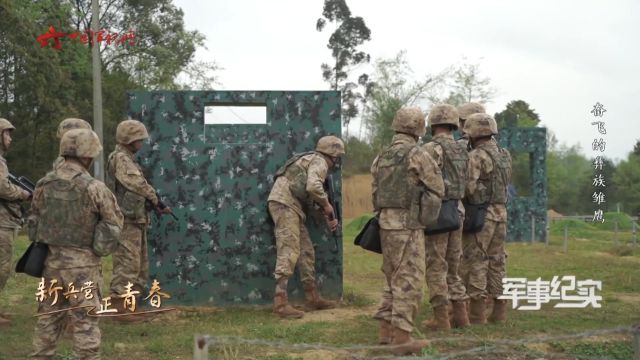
x=98, y=171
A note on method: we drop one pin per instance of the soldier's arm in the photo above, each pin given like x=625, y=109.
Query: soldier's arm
x=110, y=218
x=316, y=174
x=435, y=151
x=34, y=214
x=9, y=191
x=131, y=178
x=427, y=171
x=474, y=170
x=374, y=183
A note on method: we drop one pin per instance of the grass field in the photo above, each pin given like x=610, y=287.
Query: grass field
x=171, y=336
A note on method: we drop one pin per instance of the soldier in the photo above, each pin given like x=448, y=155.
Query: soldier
x=298, y=184
x=444, y=250
x=79, y=219
x=404, y=175
x=464, y=111
x=66, y=125
x=10, y=212
x=489, y=173
x=124, y=177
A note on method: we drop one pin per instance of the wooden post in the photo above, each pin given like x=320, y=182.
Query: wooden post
x=201, y=348
x=565, y=238
x=635, y=234
x=533, y=228
x=636, y=343
x=615, y=236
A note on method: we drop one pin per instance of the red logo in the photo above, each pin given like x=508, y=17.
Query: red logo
x=86, y=37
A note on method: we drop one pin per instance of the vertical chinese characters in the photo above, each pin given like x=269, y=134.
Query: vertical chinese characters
x=599, y=182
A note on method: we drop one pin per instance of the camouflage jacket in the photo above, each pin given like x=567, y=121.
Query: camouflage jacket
x=102, y=202
x=421, y=169
x=125, y=175
x=10, y=195
x=435, y=151
x=317, y=170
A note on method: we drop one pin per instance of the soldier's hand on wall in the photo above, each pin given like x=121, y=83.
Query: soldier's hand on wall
x=333, y=224
x=328, y=211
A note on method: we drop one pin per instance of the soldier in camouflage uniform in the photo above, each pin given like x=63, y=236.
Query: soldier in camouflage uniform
x=125, y=178
x=444, y=250
x=10, y=212
x=299, y=184
x=484, y=254
x=406, y=182
x=78, y=217
x=66, y=125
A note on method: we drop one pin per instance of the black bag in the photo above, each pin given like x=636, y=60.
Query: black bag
x=474, y=217
x=32, y=262
x=369, y=236
x=448, y=219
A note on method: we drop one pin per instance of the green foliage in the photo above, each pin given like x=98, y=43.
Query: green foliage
x=517, y=114
x=626, y=182
x=359, y=157
x=350, y=32
x=358, y=223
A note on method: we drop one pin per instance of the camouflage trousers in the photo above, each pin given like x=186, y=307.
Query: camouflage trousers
x=130, y=260
x=484, y=260
x=443, y=253
x=7, y=236
x=403, y=265
x=293, y=244
x=49, y=328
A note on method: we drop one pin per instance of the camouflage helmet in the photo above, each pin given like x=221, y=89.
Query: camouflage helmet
x=71, y=123
x=5, y=125
x=443, y=114
x=479, y=125
x=80, y=143
x=465, y=110
x=331, y=146
x=129, y=131
x=409, y=120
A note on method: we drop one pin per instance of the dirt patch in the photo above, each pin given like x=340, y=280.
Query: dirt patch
x=631, y=298
x=337, y=314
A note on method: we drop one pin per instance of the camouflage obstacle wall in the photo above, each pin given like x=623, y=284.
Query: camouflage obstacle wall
x=217, y=179
x=523, y=211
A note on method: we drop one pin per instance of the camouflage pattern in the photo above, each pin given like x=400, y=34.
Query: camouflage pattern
x=466, y=110
x=479, y=125
x=80, y=143
x=484, y=185
x=6, y=125
x=330, y=145
x=7, y=236
x=10, y=197
x=409, y=120
x=421, y=169
x=403, y=265
x=77, y=265
x=49, y=328
x=443, y=255
x=484, y=258
x=443, y=114
x=302, y=184
x=129, y=131
x=217, y=179
x=71, y=123
x=443, y=251
x=294, y=246
x=125, y=179
x=131, y=260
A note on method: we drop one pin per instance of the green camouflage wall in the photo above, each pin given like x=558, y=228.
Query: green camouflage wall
x=217, y=179
x=523, y=211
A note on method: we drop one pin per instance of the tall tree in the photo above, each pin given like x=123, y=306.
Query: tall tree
x=350, y=32
x=517, y=114
x=462, y=83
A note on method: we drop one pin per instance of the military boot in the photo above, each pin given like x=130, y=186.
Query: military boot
x=499, y=313
x=281, y=305
x=313, y=300
x=385, y=333
x=404, y=344
x=440, y=320
x=460, y=319
x=476, y=313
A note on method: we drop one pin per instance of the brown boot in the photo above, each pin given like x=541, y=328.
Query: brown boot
x=460, y=319
x=404, y=344
x=476, y=313
x=440, y=320
x=313, y=300
x=281, y=305
x=385, y=333
x=499, y=313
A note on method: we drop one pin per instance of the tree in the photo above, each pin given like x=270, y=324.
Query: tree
x=350, y=32
x=636, y=149
x=359, y=159
x=626, y=182
x=462, y=83
x=392, y=89
x=517, y=114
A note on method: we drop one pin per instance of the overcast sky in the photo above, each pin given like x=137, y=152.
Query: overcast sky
x=559, y=56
